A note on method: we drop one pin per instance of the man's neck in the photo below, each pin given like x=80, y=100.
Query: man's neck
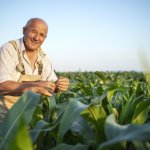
x=32, y=56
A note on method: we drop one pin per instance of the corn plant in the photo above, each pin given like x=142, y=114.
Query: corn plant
x=100, y=110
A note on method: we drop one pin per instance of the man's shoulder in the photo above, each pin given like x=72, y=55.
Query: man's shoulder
x=8, y=47
x=17, y=41
x=8, y=43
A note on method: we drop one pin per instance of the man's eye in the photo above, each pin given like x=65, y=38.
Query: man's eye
x=34, y=31
x=42, y=35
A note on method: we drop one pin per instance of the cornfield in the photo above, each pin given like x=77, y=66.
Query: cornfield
x=100, y=111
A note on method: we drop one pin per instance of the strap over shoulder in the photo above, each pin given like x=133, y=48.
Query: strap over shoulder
x=20, y=66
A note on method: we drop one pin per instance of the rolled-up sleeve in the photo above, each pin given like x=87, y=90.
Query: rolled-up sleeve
x=7, y=62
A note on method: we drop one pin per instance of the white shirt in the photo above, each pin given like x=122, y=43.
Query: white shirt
x=9, y=60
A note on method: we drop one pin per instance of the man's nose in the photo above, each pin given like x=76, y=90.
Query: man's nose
x=36, y=37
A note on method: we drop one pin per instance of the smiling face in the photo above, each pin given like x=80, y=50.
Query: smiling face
x=34, y=33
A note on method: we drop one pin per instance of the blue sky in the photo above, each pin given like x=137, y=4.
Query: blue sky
x=86, y=35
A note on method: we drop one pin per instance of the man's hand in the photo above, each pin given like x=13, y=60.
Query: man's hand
x=40, y=90
x=46, y=84
x=62, y=84
x=41, y=87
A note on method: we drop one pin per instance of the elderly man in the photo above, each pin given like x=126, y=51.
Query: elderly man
x=25, y=67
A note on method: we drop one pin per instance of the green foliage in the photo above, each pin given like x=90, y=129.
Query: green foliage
x=116, y=133
x=21, y=140
x=96, y=115
x=100, y=110
x=23, y=109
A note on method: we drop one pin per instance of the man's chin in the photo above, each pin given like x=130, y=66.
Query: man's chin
x=32, y=48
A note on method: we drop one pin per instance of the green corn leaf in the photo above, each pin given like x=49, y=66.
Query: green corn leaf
x=127, y=111
x=96, y=115
x=71, y=147
x=37, y=129
x=23, y=108
x=141, y=112
x=116, y=133
x=21, y=140
x=82, y=127
x=72, y=111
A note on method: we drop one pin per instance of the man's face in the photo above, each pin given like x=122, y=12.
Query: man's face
x=34, y=35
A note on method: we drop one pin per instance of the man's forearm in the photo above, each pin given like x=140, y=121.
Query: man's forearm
x=16, y=88
x=10, y=88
